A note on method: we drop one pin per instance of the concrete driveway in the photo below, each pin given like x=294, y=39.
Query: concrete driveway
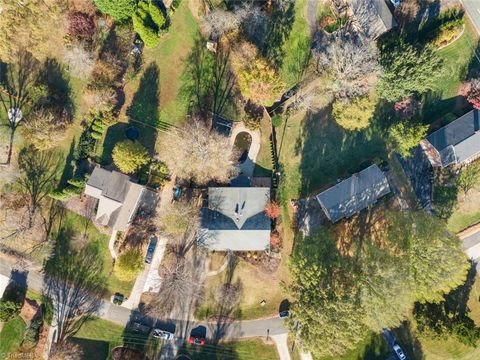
x=247, y=167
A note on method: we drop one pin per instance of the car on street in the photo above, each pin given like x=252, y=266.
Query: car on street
x=196, y=340
x=118, y=298
x=399, y=352
x=283, y=314
x=162, y=334
x=151, y=250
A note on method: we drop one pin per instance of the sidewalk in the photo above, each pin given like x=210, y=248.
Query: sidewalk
x=282, y=346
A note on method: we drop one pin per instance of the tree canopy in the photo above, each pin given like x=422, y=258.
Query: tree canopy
x=119, y=10
x=408, y=70
x=354, y=114
x=341, y=294
x=129, y=156
x=405, y=135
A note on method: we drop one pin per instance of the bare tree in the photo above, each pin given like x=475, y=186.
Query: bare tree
x=352, y=63
x=66, y=351
x=38, y=170
x=44, y=129
x=228, y=295
x=79, y=60
x=74, y=281
x=198, y=153
x=219, y=22
x=18, y=91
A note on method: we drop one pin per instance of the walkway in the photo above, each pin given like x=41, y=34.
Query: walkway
x=282, y=346
x=111, y=244
x=247, y=167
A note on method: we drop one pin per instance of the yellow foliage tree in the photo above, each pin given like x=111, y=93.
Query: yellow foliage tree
x=354, y=114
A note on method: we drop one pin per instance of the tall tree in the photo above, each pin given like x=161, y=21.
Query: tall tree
x=196, y=152
x=119, y=10
x=74, y=281
x=44, y=129
x=19, y=91
x=408, y=70
x=405, y=135
x=38, y=170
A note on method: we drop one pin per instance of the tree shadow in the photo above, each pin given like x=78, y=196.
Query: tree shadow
x=68, y=170
x=55, y=78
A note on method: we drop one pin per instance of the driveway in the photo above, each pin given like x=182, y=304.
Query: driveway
x=247, y=167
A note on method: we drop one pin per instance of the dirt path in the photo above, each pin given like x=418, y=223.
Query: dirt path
x=311, y=15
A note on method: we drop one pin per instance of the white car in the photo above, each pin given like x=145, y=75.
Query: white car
x=399, y=352
x=162, y=334
x=395, y=2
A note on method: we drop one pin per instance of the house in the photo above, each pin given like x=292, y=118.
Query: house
x=354, y=194
x=235, y=220
x=373, y=16
x=118, y=197
x=456, y=143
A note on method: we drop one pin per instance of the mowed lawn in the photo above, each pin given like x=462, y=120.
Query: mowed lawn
x=251, y=349
x=11, y=336
x=170, y=56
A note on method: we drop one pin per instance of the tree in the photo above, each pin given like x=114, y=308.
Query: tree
x=129, y=264
x=19, y=91
x=44, y=129
x=129, y=156
x=352, y=64
x=404, y=136
x=81, y=25
x=38, y=170
x=469, y=177
x=9, y=309
x=148, y=21
x=219, y=22
x=119, y=10
x=408, y=70
x=198, y=153
x=471, y=90
x=272, y=210
x=74, y=281
x=356, y=113
x=66, y=351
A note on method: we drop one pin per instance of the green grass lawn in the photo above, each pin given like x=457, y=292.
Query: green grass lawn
x=263, y=162
x=170, y=56
x=11, y=336
x=80, y=225
x=252, y=349
x=373, y=347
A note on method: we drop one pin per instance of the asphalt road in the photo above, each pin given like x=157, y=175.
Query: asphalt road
x=472, y=8
x=121, y=316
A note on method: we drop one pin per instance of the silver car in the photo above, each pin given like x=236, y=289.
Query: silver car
x=162, y=334
x=399, y=352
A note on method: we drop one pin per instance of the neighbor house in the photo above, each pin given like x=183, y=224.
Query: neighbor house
x=457, y=143
x=354, y=194
x=373, y=16
x=235, y=219
x=118, y=197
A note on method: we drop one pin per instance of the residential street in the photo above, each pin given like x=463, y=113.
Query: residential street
x=472, y=8
x=121, y=315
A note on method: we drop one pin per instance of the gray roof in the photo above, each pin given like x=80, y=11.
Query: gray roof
x=354, y=194
x=235, y=219
x=374, y=16
x=118, y=197
x=459, y=140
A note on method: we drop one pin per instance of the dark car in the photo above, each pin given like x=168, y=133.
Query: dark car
x=150, y=250
x=136, y=326
x=283, y=314
x=196, y=340
x=118, y=298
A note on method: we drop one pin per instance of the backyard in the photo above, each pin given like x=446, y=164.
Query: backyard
x=11, y=336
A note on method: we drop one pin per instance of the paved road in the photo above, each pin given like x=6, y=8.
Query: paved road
x=122, y=316
x=472, y=8
x=471, y=246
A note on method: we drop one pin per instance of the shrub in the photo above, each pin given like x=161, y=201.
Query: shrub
x=147, y=34
x=404, y=136
x=32, y=333
x=80, y=25
x=47, y=309
x=129, y=156
x=78, y=183
x=96, y=135
x=98, y=128
x=148, y=21
x=128, y=264
x=157, y=15
x=277, y=120
x=119, y=10
x=9, y=309
x=356, y=113
x=272, y=210
x=85, y=147
x=59, y=195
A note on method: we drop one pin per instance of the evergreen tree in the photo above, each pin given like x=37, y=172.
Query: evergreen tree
x=119, y=10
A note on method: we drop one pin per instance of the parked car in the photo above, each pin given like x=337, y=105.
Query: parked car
x=162, y=334
x=395, y=3
x=196, y=340
x=283, y=314
x=118, y=298
x=399, y=352
x=150, y=250
x=136, y=326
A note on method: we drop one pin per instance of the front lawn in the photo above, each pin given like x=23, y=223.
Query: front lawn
x=373, y=347
x=251, y=349
x=466, y=212
x=80, y=225
x=11, y=336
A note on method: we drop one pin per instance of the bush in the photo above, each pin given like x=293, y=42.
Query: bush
x=119, y=10
x=59, y=195
x=272, y=210
x=47, y=309
x=148, y=21
x=277, y=120
x=129, y=264
x=80, y=25
x=129, y=156
x=147, y=34
x=98, y=128
x=96, y=135
x=404, y=136
x=85, y=147
x=356, y=113
x=78, y=183
x=8, y=309
x=32, y=334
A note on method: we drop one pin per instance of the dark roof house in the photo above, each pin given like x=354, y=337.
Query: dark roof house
x=118, y=197
x=235, y=219
x=354, y=194
x=456, y=143
x=373, y=16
